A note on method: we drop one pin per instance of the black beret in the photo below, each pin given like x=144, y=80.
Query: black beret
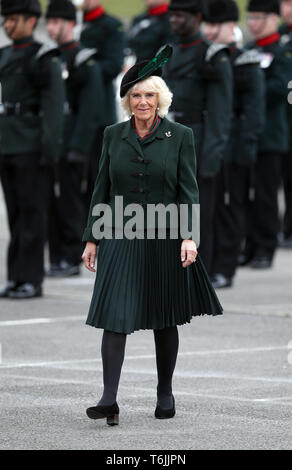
x=30, y=7
x=191, y=6
x=221, y=11
x=266, y=6
x=61, y=9
x=145, y=69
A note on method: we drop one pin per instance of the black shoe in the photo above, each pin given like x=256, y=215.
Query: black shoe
x=52, y=270
x=161, y=413
x=26, y=291
x=5, y=291
x=111, y=413
x=64, y=269
x=219, y=281
x=244, y=259
x=261, y=262
x=286, y=242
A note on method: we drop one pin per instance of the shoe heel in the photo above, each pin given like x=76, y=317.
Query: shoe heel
x=113, y=420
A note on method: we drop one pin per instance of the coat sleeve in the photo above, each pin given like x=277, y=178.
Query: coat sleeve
x=91, y=108
x=112, y=55
x=101, y=190
x=254, y=114
x=188, y=192
x=52, y=101
x=218, y=117
x=278, y=77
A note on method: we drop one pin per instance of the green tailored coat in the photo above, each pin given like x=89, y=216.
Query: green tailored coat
x=140, y=283
x=31, y=82
x=276, y=63
x=163, y=171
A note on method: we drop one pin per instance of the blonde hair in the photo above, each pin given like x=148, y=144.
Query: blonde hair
x=152, y=84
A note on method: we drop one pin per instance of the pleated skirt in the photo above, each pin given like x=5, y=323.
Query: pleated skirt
x=141, y=285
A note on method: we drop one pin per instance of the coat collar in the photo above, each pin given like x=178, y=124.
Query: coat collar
x=129, y=134
x=23, y=42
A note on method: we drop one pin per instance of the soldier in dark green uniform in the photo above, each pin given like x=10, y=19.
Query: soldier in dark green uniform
x=200, y=76
x=83, y=116
x=286, y=39
x=234, y=180
x=106, y=34
x=30, y=131
x=276, y=61
x=150, y=31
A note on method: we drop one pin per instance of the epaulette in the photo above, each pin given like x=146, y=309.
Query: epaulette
x=214, y=49
x=5, y=47
x=46, y=49
x=248, y=57
x=144, y=23
x=83, y=56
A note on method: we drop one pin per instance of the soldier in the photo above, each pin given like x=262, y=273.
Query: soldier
x=200, y=76
x=30, y=131
x=276, y=61
x=106, y=34
x=83, y=116
x=150, y=31
x=286, y=39
x=234, y=180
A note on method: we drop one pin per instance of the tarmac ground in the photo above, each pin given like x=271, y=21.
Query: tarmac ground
x=232, y=383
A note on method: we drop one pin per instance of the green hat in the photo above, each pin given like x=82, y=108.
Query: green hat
x=30, y=7
x=145, y=69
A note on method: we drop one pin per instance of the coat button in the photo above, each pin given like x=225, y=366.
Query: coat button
x=141, y=159
x=141, y=175
x=141, y=190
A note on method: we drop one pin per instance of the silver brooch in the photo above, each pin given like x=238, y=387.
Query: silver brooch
x=168, y=134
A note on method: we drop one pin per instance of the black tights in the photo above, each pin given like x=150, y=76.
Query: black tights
x=113, y=353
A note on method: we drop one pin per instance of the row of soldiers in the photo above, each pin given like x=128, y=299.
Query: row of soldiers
x=57, y=99
x=234, y=99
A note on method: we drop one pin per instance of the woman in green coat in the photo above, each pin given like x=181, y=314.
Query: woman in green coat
x=150, y=277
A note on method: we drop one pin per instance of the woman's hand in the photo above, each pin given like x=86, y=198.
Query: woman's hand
x=89, y=256
x=188, y=252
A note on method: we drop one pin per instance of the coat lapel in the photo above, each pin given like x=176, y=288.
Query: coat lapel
x=130, y=137
x=163, y=134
